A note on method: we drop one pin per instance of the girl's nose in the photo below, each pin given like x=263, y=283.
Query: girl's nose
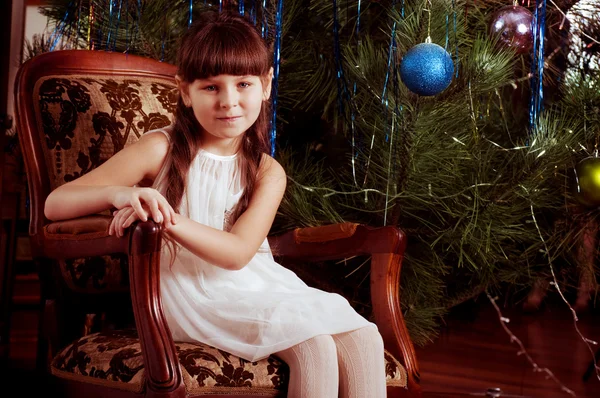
x=229, y=98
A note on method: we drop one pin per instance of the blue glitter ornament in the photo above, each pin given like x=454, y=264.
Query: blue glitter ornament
x=426, y=69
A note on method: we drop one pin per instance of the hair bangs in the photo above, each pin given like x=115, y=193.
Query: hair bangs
x=226, y=50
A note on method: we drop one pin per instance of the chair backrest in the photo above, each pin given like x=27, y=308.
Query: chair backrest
x=75, y=109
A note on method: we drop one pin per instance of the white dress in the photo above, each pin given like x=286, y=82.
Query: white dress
x=256, y=311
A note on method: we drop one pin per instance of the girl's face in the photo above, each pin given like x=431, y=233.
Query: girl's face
x=225, y=106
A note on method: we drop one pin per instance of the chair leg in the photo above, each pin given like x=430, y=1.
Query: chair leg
x=5, y=300
x=7, y=272
x=400, y=392
x=46, y=336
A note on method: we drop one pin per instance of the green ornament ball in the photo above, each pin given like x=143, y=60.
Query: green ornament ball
x=587, y=182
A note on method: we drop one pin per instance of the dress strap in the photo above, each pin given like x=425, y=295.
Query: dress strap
x=160, y=181
x=165, y=130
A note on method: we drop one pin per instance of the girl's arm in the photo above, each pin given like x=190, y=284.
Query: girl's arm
x=111, y=184
x=233, y=250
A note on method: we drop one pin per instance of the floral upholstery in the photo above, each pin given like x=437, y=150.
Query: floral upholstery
x=114, y=359
x=84, y=120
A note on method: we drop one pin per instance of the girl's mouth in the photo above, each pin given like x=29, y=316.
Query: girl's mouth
x=229, y=119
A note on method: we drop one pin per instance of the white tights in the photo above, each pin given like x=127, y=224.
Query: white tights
x=351, y=364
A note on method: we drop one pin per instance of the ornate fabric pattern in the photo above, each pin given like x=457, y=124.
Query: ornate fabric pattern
x=107, y=358
x=85, y=120
x=93, y=274
x=114, y=359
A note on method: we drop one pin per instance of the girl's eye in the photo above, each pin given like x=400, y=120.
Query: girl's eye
x=210, y=88
x=244, y=84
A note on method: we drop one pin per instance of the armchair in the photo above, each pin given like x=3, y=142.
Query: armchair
x=75, y=109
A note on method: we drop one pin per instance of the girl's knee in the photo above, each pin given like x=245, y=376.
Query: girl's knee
x=324, y=345
x=377, y=338
x=370, y=336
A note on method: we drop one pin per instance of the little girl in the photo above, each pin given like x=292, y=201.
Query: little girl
x=208, y=179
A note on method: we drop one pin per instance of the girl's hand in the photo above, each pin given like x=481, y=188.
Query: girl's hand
x=124, y=218
x=156, y=205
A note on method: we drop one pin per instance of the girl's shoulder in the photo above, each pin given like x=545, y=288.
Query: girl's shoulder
x=166, y=132
x=269, y=166
x=157, y=142
x=155, y=145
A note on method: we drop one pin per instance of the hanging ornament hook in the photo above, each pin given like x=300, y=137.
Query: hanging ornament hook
x=428, y=9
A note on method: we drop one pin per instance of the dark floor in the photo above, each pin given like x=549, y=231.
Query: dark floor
x=474, y=353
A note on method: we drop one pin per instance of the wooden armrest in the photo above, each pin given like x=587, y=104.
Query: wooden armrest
x=386, y=247
x=337, y=241
x=88, y=236
x=80, y=237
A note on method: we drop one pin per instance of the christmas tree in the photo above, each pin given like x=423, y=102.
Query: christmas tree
x=473, y=163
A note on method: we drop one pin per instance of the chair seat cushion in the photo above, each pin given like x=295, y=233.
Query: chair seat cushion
x=114, y=359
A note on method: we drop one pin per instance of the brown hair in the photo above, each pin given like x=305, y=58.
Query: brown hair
x=218, y=43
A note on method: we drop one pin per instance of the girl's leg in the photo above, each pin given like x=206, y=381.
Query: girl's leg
x=313, y=368
x=361, y=363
